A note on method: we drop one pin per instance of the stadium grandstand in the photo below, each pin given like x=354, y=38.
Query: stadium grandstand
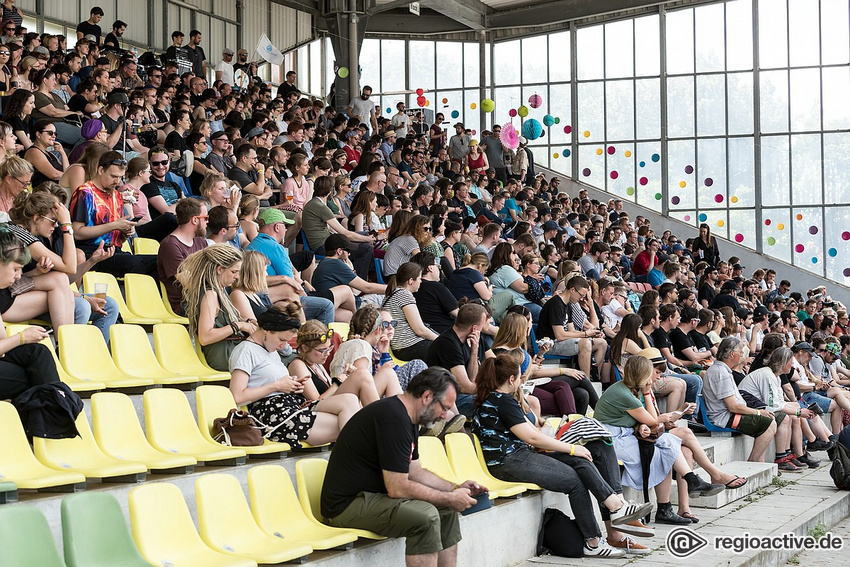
x=436, y=283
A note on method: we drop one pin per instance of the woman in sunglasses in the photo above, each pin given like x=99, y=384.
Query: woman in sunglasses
x=46, y=154
x=288, y=404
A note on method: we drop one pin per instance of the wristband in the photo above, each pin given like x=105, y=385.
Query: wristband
x=23, y=340
x=335, y=381
x=572, y=449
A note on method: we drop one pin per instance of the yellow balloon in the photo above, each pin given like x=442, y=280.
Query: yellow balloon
x=473, y=106
x=733, y=199
x=599, y=151
x=780, y=226
x=586, y=134
x=628, y=153
x=682, y=184
x=427, y=103
x=720, y=223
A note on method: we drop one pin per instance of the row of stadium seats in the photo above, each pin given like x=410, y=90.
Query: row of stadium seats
x=146, y=302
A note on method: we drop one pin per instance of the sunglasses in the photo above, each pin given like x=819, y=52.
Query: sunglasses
x=158, y=163
x=323, y=338
x=388, y=324
x=5, y=53
x=121, y=162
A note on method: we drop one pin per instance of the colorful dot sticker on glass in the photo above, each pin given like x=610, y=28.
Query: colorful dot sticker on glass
x=472, y=105
x=833, y=252
x=627, y=153
x=630, y=191
x=445, y=101
x=718, y=198
x=555, y=155
x=739, y=237
x=586, y=172
x=845, y=235
x=643, y=180
x=389, y=110
x=780, y=226
x=655, y=157
x=614, y=175
x=846, y=272
x=814, y=260
x=642, y=164
x=767, y=222
x=586, y=134
x=799, y=216
x=813, y=230
x=455, y=113
x=720, y=223
x=611, y=150
x=675, y=200
x=658, y=196
x=771, y=241
x=566, y=153
x=702, y=217
x=687, y=218
x=682, y=184
x=599, y=151
x=689, y=169
x=733, y=198
x=557, y=120
x=568, y=129
x=709, y=181
x=799, y=248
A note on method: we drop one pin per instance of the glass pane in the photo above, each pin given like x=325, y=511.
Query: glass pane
x=541, y=155
x=709, y=40
x=621, y=170
x=686, y=216
x=303, y=70
x=805, y=100
x=453, y=103
x=680, y=42
x=506, y=98
x=739, y=87
x=711, y=166
x=329, y=62
x=836, y=93
x=619, y=110
x=806, y=169
x=449, y=55
x=773, y=33
x=680, y=154
x=472, y=118
x=834, y=17
x=836, y=164
x=590, y=52
x=717, y=220
x=741, y=172
x=775, y=175
x=534, y=58
x=393, y=65
x=804, y=33
x=559, y=107
x=619, y=49
x=648, y=174
x=649, y=109
x=471, y=67
x=316, y=67
x=559, y=56
x=370, y=62
x=590, y=112
x=711, y=105
x=739, y=35
x=421, y=65
x=808, y=239
x=742, y=227
x=509, y=63
x=774, y=101
x=776, y=233
x=563, y=163
x=647, y=47
x=488, y=55
x=591, y=166
x=680, y=106
x=838, y=255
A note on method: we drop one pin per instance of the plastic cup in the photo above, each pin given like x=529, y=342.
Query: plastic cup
x=100, y=290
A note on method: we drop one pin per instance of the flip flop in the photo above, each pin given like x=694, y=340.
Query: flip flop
x=691, y=517
x=737, y=478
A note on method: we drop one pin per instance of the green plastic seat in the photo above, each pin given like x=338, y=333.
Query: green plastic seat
x=25, y=538
x=95, y=534
x=8, y=492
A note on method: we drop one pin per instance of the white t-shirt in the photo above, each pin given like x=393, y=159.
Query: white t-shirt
x=609, y=312
x=400, y=122
x=226, y=72
x=364, y=108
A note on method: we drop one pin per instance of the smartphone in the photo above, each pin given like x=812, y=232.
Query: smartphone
x=136, y=219
x=49, y=331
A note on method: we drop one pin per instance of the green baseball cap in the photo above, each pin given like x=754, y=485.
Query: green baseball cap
x=271, y=216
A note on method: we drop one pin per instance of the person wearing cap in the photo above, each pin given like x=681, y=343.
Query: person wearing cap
x=388, y=145
x=335, y=270
x=458, y=145
x=241, y=60
x=550, y=229
x=90, y=27
x=224, y=70
x=726, y=298
x=113, y=120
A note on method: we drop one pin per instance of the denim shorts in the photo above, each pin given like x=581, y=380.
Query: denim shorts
x=822, y=401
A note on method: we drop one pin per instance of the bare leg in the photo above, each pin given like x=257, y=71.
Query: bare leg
x=331, y=416
x=835, y=417
x=584, y=356
x=676, y=394
x=292, y=231
x=307, y=273
x=60, y=300
x=797, y=435
x=425, y=560
x=344, y=298
x=600, y=346
x=361, y=384
x=662, y=489
x=761, y=443
x=447, y=557
x=690, y=441
x=534, y=404
x=783, y=436
x=818, y=428
x=387, y=383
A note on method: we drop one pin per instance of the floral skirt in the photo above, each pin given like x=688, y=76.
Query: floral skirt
x=286, y=416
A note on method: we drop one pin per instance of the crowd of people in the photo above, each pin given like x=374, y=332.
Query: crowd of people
x=455, y=266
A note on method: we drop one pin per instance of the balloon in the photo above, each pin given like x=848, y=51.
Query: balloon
x=427, y=102
x=512, y=112
x=420, y=92
x=532, y=129
x=488, y=105
x=342, y=72
x=535, y=100
x=522, y=111
x=548, y=120
x=421, y=100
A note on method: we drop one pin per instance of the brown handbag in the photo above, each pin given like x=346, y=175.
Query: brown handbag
x=238, y=429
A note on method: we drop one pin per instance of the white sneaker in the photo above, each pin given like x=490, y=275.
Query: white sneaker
x=630, y=511
x=603, y=550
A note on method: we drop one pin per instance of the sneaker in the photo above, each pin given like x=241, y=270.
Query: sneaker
x=603, y=550
x=786, y=465
x=630, y=546
x=666, y=515
x=819, y=445
x=454, y=425
x=809, y=461
x=433, y=430
x=630, y=511
x=636, y=528
x=792, y=458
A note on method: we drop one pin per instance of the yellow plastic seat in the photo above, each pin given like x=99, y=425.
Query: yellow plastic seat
x=466, y=465
x=167, y=304
x=113, y=291
x=165, y=533
x=397, y=360
x=144, y=300
x=226, y=524
x=81, y=454
x=310, y=475
x=341, y=329
x=119, y=434
x=175, y=352
x=82, y=384
x=277, y=512
x=480, y=454
x=83, y=353
x=19, y=465
x=215, y=401
x=145, y=246
x=133, y=355
x=125, y=247
x=432, y=457
x=171, y=427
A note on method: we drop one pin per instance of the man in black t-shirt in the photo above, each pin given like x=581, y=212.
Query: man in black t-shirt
x=726, y=297
x=669, y=320
x=90, y=27
x=437, y=305
x=374, y=480
x=683, y=345
x=162, y=194
x=453, y=350
x=707, y=291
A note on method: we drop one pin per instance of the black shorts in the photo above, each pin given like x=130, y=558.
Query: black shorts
x=326, y=294
x=6, y=300
x=301, y=260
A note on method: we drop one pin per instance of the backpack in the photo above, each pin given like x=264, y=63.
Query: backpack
x=559, y=535
x=840, y=469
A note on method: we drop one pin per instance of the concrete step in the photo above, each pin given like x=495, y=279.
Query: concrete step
x=758, y=475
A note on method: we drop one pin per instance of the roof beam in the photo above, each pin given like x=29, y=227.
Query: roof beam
x=470, y=13
x=562, y=10
x=309, y=6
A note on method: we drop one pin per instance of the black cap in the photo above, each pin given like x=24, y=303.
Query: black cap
x=760, y=311
x=729, y=286
x=803, y=346
x=339, y=241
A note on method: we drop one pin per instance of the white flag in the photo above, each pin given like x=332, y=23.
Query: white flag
x=269, y=52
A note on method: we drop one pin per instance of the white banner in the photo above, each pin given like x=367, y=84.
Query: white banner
x=269, y=52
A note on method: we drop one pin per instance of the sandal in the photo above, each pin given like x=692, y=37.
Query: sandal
x=734, y=480
x=689, y=516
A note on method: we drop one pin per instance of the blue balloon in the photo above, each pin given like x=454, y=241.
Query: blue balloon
x=532, y=129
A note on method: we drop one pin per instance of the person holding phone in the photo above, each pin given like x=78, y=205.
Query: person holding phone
x=289, y=404
x=136, y=205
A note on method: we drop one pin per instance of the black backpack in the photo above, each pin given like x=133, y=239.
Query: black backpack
x=840, y=470
x=559, y=535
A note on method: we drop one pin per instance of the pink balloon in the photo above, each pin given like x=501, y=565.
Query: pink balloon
x=512, y=112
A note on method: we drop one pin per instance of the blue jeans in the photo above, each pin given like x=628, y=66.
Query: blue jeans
x=693, y=387
x=535, y=310
x=83, y=314
x=318, y=308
